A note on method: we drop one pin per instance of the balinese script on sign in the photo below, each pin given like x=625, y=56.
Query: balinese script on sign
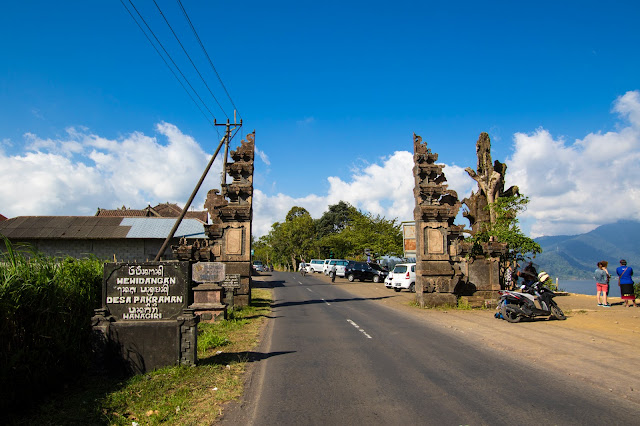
x=147, y=291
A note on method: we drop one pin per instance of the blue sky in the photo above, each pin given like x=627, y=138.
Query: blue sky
x=91, y=116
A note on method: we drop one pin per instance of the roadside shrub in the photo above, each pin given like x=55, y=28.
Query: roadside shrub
x=46, y=306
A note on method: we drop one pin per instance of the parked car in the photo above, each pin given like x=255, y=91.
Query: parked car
x=340, y=265
x=258, y=266
x=315, y=265
x=404, y=276
x=365, y=271
x=388, y=281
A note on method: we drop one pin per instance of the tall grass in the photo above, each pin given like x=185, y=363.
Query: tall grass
x=46, y=306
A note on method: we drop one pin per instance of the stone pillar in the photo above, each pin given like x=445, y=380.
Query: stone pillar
x=436, y=236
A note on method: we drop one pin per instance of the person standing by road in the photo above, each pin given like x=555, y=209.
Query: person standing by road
x=508, y=277
x=626, y=284
x=332, y=272
x=602, y=283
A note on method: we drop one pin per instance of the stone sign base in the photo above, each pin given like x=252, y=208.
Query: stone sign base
x=134, y=347
x=207, y=302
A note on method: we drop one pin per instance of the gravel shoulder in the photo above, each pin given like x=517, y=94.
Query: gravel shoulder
x=595, y=345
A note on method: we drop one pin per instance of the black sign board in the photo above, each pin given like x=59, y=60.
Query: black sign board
x=151, y=291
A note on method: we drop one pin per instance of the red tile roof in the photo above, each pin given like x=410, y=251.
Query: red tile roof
x=161, y=210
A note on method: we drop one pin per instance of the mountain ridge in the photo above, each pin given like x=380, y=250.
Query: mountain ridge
x=574, y=257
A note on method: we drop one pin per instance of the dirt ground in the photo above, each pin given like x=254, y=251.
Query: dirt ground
x=594, y=344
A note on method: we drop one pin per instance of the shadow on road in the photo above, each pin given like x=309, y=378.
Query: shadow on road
x=245, y=356
x=311, y=302
x=267, y=284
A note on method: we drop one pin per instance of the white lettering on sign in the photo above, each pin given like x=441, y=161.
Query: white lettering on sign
x=126, y=290
x=121, y=299
x=147, y=291
x=141, y=316
x=157, y=299
x=147, y=281
x=139, y=270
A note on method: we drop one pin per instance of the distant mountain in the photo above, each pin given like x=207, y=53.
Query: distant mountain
x=574, y=257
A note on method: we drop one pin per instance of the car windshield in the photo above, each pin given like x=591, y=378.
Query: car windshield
x=400, y=268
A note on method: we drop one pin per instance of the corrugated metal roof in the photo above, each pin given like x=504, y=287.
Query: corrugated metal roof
x=97, y=227
x=157, y=227
x=122, y=213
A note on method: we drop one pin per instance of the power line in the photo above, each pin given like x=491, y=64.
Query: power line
x=171, y=59
x=169, y=66
x=207, y=55
x=185, y=52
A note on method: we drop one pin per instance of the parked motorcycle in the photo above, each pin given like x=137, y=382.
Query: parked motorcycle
x=515, y=305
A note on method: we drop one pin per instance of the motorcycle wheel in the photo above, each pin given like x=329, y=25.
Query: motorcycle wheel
x=510, y=314
x=557, y=312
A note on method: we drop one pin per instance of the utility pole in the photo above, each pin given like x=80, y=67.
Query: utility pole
x=226, y=147
x=225, y=139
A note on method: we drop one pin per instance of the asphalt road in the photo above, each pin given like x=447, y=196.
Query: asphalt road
x=331, y=358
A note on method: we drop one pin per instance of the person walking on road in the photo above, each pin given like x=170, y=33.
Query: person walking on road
x=333, y=273
x=602, y=283
x=626, y=284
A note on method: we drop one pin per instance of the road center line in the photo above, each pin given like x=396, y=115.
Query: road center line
x=326, y=302
x=359, y=329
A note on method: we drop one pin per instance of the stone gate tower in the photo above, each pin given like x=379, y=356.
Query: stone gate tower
x=231, y=213
x=437, y=238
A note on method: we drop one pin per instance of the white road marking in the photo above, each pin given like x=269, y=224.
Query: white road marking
x=326, y=302
x=309, y=290
x=359, y=329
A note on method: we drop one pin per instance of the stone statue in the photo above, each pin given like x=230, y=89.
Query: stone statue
x=490, y=179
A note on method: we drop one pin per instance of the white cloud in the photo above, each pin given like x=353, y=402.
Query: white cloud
x=264, y=157
x=384, y=188
x=573, y=187
x=576, y=187
x=306, y=121
x=78, y=174
x=268, y=210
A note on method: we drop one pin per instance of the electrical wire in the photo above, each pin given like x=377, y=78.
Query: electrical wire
x=169, y=66
x=171, y=59
x=207, y=55
x=185, y=52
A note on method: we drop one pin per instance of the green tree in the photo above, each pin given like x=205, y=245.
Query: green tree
x=373, y=234
x=506, y=228
x=335, y=219
x=290, y=241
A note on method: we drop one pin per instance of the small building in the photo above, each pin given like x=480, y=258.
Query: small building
x=128, y=239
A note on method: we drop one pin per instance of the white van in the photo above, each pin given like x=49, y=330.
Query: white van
x=315, y=265
x=404, y=276
x=325, y=266
x=340, y=264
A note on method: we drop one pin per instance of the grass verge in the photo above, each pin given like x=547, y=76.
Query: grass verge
x=172, y=395
x=462, y=305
